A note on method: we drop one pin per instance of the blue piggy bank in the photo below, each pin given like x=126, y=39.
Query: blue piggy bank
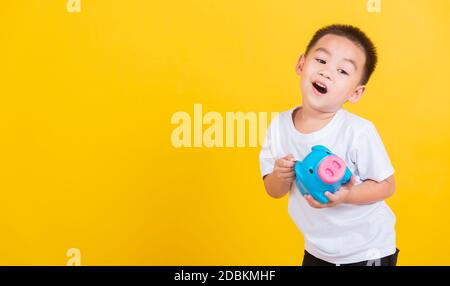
x=321, y=171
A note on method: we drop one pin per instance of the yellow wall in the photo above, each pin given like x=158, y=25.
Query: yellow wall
x=87, y=98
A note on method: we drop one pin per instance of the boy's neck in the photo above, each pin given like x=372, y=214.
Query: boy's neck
x=308, y=120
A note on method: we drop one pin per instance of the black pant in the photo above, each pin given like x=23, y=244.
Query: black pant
x=391, y=260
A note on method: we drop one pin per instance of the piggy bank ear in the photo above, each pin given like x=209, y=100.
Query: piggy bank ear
x=321, y=148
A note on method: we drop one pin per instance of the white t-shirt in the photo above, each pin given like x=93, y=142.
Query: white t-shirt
x=344, y=233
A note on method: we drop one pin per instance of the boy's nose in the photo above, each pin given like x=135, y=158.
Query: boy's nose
x=325, y=75
x=331, y=169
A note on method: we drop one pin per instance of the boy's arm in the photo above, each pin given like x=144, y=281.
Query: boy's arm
x=371, y=191
x=367, y=192
x=278, y=183
x=276, y=187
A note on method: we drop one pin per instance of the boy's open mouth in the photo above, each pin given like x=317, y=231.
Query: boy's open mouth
x=320, y=87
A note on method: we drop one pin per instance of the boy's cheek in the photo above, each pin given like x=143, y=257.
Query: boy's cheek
x=303, y=84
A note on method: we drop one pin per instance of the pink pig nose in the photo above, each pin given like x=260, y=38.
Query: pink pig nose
x=331, y=169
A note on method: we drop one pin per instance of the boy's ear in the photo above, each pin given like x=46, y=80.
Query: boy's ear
x=300, y=64
x=357, y=93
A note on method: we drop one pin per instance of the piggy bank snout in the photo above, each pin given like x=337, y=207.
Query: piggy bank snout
x=331, y=169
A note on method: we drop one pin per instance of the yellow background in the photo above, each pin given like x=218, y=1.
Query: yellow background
x=86, y=103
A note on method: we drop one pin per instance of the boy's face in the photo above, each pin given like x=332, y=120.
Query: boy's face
x=331, y=73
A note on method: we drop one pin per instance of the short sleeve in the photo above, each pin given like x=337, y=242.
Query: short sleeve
x=267, y=154
x=370, y=156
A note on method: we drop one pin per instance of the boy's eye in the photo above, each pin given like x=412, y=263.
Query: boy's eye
x=342, y=71
x=321, y=61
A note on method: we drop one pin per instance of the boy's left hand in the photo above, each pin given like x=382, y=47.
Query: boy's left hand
x=339, y=197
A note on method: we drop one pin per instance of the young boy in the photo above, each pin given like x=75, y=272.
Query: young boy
x=356, y=227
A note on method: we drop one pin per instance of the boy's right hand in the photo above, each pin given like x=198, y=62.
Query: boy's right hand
x=284, y=168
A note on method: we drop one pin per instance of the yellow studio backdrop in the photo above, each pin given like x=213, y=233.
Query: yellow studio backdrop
x=88, y=98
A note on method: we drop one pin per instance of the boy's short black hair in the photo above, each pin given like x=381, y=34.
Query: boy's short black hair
x=355, y=35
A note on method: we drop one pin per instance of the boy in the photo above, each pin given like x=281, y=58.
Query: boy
x=356, y=227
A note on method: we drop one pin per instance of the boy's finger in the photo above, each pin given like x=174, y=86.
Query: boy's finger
x=332, y=197
x=309, y=201
x=285, y=170
x=290, y=157
x=286, y=163
x=351, y=182
x=313, y=202
x=317, y=205
x=287, y=175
